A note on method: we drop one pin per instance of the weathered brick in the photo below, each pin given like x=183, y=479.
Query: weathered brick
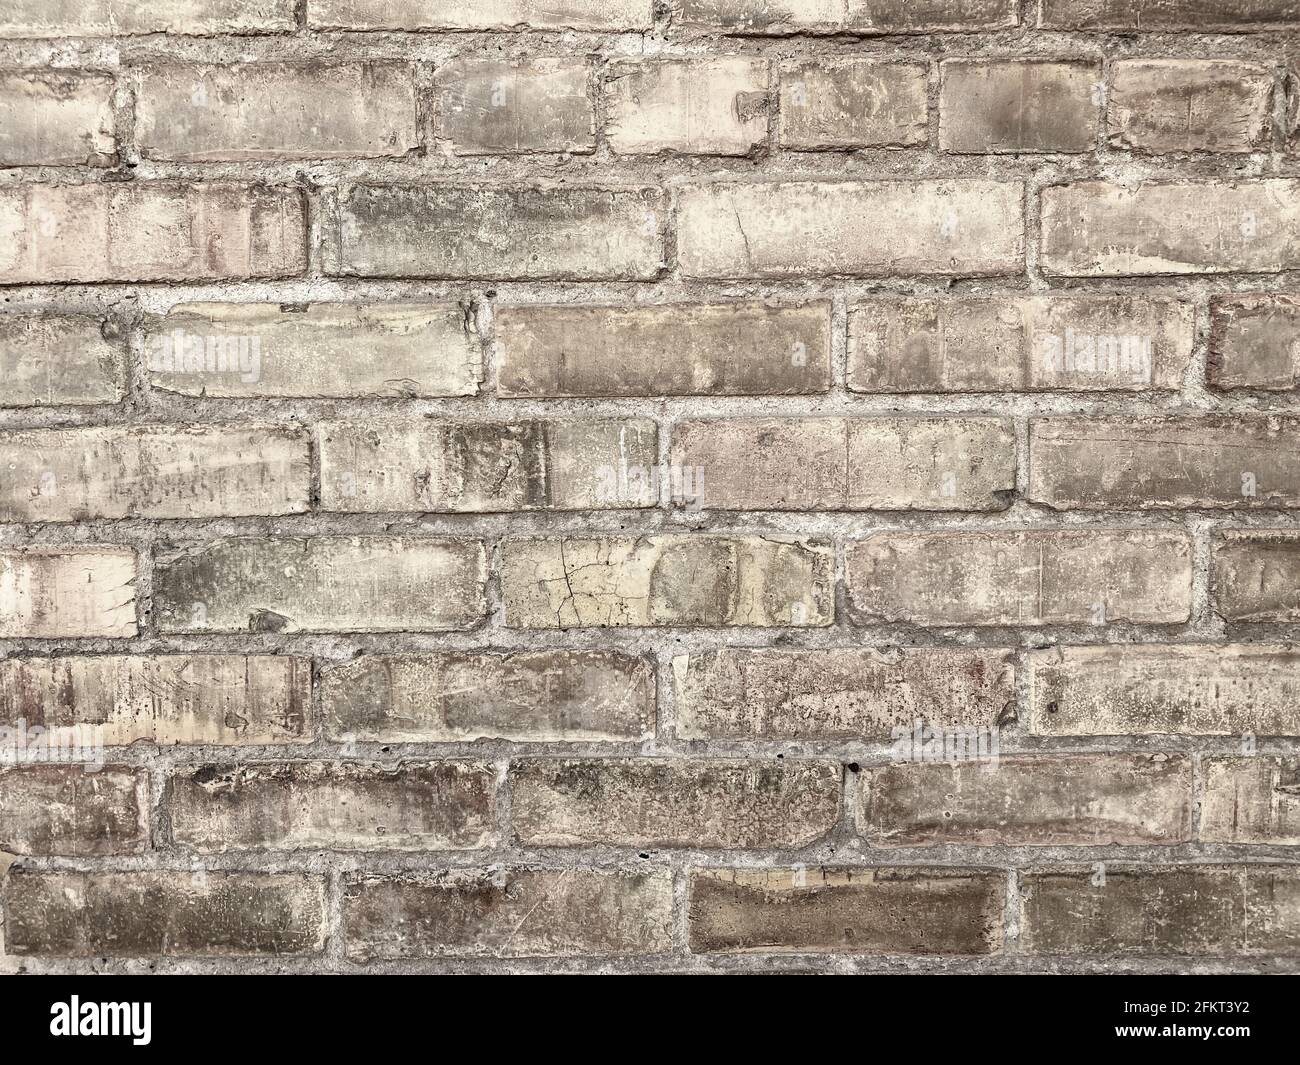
x=1253, y=799
x=145, y=231
x=235, y=350
x=1084, y=343
x=513, y=913
x=377, y=465
x=564, y=695
x=714, y=106
x=157, y=471
x=114, y=18
x=1207, y=461
x=1257, y=574
x=597, y=15
x=1176, y=689
x=859, y=17
x=850, y=228
x=164, y=699
x=163, y=913
x=66, y=809
x=1044, y=577
x=51, y=358
x=1178, y=910
x=1155, y=16
x=48, y=592
x=853, y=103
x=659, y=802
x=848, y=463
x=252, y=111
x=489, y=107
x=57, y=119
x=667, y=580
x=1097, y=229
x=851, y=693
x=847, y=911
x=1190, y=105
x=321, y=584
x=424, y=806
x=1087, y=800
x=1018, y=106
x=496, y=232
x=709, y=349
x=1255, y=342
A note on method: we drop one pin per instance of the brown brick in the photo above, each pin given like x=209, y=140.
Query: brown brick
x=412, y=806
x=853, y=103
x=321, y=584
x=590, y=696
x=112, y=18
x=48, y=592
x=72, y=809
x=859, y=17
x=163, y=913
x=708, y=349
x=667, y=580
x=1176, y=689
x=156, y=472
x=1084, y=343
x=595, y=15
x=1253, y=799
x=1018, y=106
x=852, y=693
x=846, y=911
x=51, y=358
x=164, y=699
x=1255, y=342
x=373, y=465
x=1090, y=800
x=1190, y=105
x=1097, y=229
x=848, y=463
x=1045, y=577
x=1155, y=16
x=512, y=913
x=57, y=119
x=1257, y=574
x=659, y=802
x=493, y=107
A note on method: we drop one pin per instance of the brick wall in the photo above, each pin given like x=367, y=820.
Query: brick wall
x=504, y=479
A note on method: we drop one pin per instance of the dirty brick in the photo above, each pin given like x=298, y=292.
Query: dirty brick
x=1188, y=105
x=1252, y=799
x=1255, y=342
x=852, y=103
x=49, y=358
x=1033, y=106
x=859, y=17
x=540, y=105
x=106, y=18
x=57, y=119
x=48, y=592
x=596, y=15
x=1222, y=16
x=1257, y=574
x=64, y=809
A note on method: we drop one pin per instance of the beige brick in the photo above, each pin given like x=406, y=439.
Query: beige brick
x=495, y=232
x=1255, y=342
x=707, y=349
x=1045, y=577
x=327, y=350
x=658, y=802
x=375, y=465
x=120, y=18
x=1096, y=229
x=252, y=111
x=595, y=15
x=1190, y=105
x=513, y=913
x=860, y=17
x=1178, y=910
x=321, y=584
x=48, y=592
x=853, y=103
x=146, y=231
x=163, y=913
x=57, y=119
x=1090, y=800
x=72, y=809
x=851, y=693
x=667, y=580
x=491, y=107
x=850, y=228
x=1175, y=689
x=1085, y=343
x=154, y=471
x=48, y=358
x=590, y=696
x=1018, y=106
x=163, y=699
x=412, y=806
x=1253, y=799
x=1222, y=16
x=848, y=463
x=712, y=106
x=1257, y=574
x=1206, y=461
x=846, y=911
